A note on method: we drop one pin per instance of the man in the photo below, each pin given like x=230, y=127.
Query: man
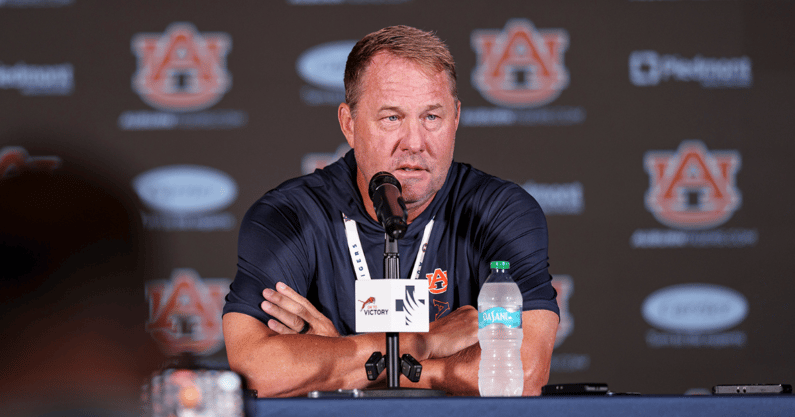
x=289, y=316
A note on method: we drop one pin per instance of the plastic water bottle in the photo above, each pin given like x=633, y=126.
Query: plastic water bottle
x=500, y=334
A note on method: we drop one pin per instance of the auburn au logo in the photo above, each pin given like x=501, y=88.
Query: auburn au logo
x=181, y=69
x=520, y=66
x=692, y=188
x=185, y=313
x=437, y=281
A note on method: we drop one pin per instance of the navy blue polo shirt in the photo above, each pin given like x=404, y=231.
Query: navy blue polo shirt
x=295, y=234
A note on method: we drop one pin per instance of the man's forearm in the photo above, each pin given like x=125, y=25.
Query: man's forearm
x=539, y=328
x=292, y=365
x=288, y=365
x=456, y=374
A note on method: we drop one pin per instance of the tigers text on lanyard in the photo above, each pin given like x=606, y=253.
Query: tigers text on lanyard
x=388, y=305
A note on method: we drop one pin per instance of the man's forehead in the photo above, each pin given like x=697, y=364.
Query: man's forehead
x=383, y=61
x=386, y=71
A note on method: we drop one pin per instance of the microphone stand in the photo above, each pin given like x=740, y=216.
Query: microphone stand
x=395, y=364
x=392, y=271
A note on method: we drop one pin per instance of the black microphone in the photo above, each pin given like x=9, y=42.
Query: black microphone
x=390, y=209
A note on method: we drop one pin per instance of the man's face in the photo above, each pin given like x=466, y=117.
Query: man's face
x=405, y=123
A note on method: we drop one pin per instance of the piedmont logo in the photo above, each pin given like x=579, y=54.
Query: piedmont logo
x=693, y=315
x=185, y=312
x=186, y=197
x=520, y=67
x=554, y=199
x=693, y=189
x=566, y=362
x=649, y=68
x=181, y=70
x=15, y=160
x=323, y=66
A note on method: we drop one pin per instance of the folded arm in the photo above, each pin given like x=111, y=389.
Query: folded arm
x=457, y=374
x=278, y=362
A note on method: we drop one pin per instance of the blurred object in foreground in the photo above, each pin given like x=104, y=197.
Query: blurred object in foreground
x=193, y=393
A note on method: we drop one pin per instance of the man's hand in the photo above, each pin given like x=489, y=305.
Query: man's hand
x=293, y=312
x=452, y=333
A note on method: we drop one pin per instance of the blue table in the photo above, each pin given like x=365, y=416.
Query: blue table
x=585, y=406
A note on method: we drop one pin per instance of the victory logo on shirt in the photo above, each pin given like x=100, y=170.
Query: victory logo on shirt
x=520, y=66
x=181, y=69
x=692, y=188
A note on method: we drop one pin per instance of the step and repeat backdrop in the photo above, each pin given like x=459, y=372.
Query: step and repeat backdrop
x=656, y=135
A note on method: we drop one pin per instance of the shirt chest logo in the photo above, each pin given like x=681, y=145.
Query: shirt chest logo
x=437, y=281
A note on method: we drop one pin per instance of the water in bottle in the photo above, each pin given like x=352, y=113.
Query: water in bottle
x=500, y=334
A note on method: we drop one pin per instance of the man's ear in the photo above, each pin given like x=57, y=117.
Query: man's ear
x=346, y=122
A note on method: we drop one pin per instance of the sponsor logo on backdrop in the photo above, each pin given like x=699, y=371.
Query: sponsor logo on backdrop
x=36, y=3
x=520, y=69
x=566, y=362
x=566, y=198
x=185, y=312
x=323, y=68
x=649, y=68
x=318, y=160
x=181, y=73
x=695, y=316
x=693, y=190
x=186, y=197
x=15, y=160
x=38, y=80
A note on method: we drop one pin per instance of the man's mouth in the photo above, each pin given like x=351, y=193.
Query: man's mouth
x=410, y=168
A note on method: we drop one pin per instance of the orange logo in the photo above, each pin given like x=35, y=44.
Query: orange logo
x=181, y=69
x=370, y=300
x=442, y=307
x=692, y=188
x=520, y=66
x=437, y=281
x=15, y=159
x=185, y=313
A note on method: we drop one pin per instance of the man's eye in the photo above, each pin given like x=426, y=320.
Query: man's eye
x=432, y=117
x=392, y=118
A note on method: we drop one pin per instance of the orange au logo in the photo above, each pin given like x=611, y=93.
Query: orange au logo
x=181, y=69
x=437, y=281
x=185, y=313
x=692, y=188
x=520, y=66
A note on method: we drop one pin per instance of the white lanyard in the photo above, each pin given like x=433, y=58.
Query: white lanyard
x=357, y=253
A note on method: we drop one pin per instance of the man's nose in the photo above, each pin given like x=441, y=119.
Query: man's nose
x=413, y=136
